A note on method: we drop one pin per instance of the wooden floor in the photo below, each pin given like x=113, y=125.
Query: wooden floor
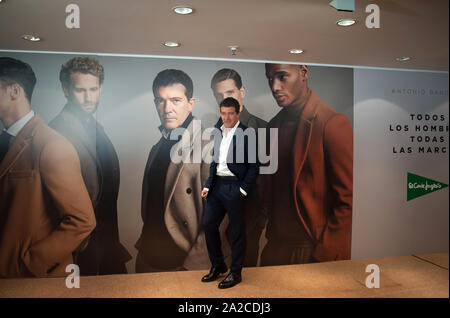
x=404, y=276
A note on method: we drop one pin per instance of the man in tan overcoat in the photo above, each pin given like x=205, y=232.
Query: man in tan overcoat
x=45, y=211
x=172, y=237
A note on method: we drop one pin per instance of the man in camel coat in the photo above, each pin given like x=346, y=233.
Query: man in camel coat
x=45, y=211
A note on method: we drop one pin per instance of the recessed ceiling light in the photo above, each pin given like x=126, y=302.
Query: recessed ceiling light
x=346, y=22
x=403, y=59
x=296, y=51
x=183, y=10
x=30, y=37
x=171, y=44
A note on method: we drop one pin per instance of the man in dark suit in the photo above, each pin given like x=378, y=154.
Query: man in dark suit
x=82, y=79
x=233, y=172
x=45, y=211
x=228, y=83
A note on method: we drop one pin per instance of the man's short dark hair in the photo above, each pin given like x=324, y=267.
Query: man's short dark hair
x=223, y=75
x=13, y=71
x=170, y=77
x=84, y=65
x=230, y=102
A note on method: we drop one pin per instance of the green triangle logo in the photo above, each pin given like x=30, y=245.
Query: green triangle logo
x=418, y=186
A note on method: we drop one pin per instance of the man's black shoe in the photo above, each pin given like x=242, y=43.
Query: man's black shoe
x=231, y=280
x=214, y=273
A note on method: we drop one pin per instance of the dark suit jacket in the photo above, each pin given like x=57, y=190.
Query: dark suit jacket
x=246, y=171
x=322, y=175
x=69, y=125
x=45, y=211
x=255, y=218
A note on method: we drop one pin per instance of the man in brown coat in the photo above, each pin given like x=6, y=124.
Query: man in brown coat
x=45, y=211
x=309, y=198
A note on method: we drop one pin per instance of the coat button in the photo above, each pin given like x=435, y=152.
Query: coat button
x=188, y=190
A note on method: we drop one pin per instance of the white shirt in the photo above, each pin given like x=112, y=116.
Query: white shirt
x=222, y=167
x=15, y=128
x=227, y=137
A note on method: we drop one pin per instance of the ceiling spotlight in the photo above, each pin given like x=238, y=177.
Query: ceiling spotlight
x=296, y=51
x=403, y=59
x=32, y=38
x=233, y=49
x=183, y=10
x=346, y=22
x=171, y=44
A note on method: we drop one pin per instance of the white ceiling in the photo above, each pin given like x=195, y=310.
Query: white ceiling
x=263, y=30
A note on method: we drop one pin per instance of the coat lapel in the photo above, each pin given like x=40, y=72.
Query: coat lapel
x=145, y=188
x=20, y=143
x=79, y=131
x=301, y=147
x=303, y=135
x=174, y=170
x=173, y=175
x=244, y=118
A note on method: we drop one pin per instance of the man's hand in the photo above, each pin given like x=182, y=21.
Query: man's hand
x=204, y=193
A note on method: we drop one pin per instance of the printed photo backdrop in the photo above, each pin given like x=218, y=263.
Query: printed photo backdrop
x=400, y=199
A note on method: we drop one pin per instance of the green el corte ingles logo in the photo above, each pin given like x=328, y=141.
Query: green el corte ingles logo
x=418, y=186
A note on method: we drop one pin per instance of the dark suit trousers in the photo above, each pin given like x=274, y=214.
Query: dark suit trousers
x=255, y=221
x=225, y=197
